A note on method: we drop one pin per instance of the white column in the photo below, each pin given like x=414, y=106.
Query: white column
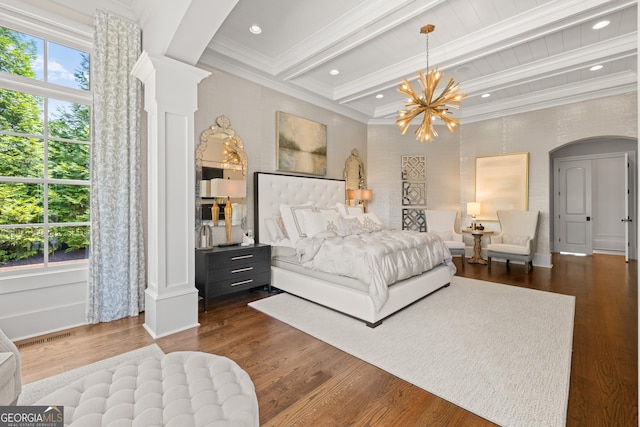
x=171, y=98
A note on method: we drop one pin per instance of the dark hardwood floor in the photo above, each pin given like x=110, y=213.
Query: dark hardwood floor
x=302, y=381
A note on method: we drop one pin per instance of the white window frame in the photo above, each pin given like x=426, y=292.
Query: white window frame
x=77, y=36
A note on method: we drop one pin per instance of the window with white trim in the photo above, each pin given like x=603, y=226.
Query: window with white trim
x=45, y=141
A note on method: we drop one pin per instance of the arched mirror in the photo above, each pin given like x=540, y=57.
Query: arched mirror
x=220, y=155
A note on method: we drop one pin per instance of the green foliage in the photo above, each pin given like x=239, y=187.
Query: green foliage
x=24, y=157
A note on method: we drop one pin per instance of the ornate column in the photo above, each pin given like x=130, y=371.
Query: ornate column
x=171, y=98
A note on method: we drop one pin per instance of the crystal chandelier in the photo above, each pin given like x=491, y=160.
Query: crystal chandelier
x=425, y=102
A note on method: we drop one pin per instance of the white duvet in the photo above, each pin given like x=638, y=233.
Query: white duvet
x=378, y=259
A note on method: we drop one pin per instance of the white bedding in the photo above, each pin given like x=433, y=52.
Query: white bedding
x=379, y=258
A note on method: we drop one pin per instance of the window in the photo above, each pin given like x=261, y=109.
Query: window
x=45, y=140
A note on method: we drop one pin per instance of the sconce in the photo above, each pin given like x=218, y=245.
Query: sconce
x=473, y=209
x=228, y=188
x=361, y=195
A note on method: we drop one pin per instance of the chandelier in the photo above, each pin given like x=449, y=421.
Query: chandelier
x=425, y=102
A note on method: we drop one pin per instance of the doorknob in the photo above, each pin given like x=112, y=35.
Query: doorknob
x=588, y=218
x=627, y=220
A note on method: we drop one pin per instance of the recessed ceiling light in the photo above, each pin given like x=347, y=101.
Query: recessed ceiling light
x=485, y=95
x=379, y=96
x=595, y=68
x=254, y=29
x=334, y=72
x=600, y=24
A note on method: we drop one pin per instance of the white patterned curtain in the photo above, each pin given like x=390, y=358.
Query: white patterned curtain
x=116, y=261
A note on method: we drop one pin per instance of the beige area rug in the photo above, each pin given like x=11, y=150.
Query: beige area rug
x=499, y=351
x=36, y=390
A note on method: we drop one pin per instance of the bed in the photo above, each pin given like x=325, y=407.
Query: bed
x=275, y=193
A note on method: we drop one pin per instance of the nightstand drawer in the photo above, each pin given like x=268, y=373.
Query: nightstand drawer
x=240, y=257
x=239, y=270
x=234, y=284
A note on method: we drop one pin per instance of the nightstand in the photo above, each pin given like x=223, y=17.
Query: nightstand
x=224, y=270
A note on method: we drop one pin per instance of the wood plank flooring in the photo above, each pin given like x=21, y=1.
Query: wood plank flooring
x=303, y=381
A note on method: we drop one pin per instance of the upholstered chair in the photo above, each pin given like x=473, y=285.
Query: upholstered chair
x=517, y=238
x=10, y=376
x=442, y=222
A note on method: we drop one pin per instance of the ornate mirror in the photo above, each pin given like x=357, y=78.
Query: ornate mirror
x=219, y=155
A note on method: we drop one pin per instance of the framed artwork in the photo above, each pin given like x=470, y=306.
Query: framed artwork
x=502, y=183
x=301, y=145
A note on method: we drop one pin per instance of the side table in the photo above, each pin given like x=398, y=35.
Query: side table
x=224, y=270
x=477, y=245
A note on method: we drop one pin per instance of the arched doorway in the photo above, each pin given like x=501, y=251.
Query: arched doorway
x=589, y=199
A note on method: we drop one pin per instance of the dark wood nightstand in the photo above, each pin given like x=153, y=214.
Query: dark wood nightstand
x=224, y=270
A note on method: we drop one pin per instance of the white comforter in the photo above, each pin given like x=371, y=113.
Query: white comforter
x=378, y=259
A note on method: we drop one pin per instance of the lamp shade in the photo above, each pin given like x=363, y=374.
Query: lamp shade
x=361, y=194
x=473, y=208
x=228, y=188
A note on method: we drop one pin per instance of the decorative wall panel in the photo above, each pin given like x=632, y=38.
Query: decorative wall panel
x=414, y=219
x=414, y=192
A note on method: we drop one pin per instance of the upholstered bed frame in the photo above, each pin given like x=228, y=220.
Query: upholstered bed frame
x=270, y=191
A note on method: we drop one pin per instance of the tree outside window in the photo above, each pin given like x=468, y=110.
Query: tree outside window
x=44, y=153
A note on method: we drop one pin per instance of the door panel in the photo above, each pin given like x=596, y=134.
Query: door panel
x=575, y=229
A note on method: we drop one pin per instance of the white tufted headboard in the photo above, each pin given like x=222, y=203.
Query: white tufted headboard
x=272, y=189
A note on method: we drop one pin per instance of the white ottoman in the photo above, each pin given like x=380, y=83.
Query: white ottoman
x=180, y=389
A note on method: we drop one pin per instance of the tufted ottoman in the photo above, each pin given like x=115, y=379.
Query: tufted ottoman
x=179, y=389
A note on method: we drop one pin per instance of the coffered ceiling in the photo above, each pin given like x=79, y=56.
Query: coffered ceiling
x=526, y=54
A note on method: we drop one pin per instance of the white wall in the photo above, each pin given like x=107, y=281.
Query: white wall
x=251, y=108
x=386, y=146
x=539, y=133
x=451, y=157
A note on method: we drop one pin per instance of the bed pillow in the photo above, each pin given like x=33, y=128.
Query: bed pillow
x=351, y=225
x=293, y=220
x=273, y=230
x=354, y=210
x=318, y=222
x=331, y=209
x=280, y=222
x=370, y=221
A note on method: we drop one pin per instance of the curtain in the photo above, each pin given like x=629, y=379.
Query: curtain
x=116, y=260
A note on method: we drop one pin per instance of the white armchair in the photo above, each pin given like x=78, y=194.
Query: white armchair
x=10, y=376
x=443, y=222
x=517, y=238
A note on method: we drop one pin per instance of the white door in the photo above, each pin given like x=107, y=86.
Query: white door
x=627, y=214
x=574, y=207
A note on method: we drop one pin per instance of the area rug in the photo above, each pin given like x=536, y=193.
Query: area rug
x=499, y=351
x=36, y=390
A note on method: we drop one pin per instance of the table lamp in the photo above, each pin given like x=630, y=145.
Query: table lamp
x=228, y=188
x=473, y=209
x=362, y=195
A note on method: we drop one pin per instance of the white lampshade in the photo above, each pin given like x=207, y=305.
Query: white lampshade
x=232, y=188
x=473, y=208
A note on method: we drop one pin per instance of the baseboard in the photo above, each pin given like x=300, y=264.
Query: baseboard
x=539, y=260
x=542, y=260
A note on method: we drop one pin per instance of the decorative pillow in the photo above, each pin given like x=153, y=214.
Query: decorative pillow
x=351, y=226
x=280, y=222
x=332, y=209
x=293, y=220
x=354, y=210
x=445, y=235
x=511, y=239
x=273, y=230
x=316, y=222
x=371, y=222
